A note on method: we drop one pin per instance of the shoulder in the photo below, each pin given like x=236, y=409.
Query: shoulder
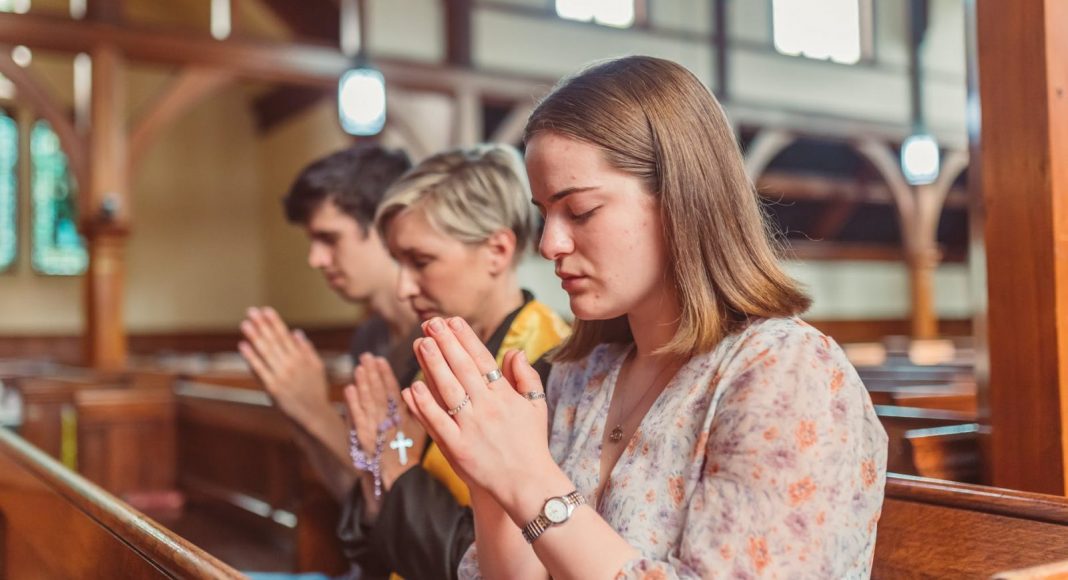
x=776, y=338
x=785, y=354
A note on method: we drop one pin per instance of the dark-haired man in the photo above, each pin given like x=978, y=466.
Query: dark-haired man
x=334, y=200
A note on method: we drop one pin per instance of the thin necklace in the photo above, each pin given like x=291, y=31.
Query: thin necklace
x=616, y=435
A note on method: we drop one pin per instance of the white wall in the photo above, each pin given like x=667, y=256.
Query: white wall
x=209, y=238
x=857, y=290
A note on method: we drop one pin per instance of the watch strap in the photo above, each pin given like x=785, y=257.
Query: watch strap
x=533, y=530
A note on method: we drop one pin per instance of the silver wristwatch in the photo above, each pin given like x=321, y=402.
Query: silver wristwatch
x=556, y=511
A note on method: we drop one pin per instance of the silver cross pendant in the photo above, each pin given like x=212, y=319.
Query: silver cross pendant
x=401, y=444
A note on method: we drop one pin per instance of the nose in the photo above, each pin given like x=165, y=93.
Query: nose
x=318, y=256
x=555, y=240
x=406, y=285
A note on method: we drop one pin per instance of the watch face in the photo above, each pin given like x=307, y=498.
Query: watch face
x=556, y=510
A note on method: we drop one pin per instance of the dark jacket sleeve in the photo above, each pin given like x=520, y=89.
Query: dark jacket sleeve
x=421, y=532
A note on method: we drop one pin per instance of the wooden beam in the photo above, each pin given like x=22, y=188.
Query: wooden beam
x=511, y=128
x=780, y=185
x=41, y=101
x=1023, y=85
x=107, y=215
x=188, y=88
x=308, y=19
x=917, y=208
x=765, y=147
x=467, y=122
x=274, y=108
x=823, y=250
x=833, y=219
x=104, y=11
x=293, y=63
x=315, y=19
x=458, y=32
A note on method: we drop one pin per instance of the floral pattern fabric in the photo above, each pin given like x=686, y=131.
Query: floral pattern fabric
x=761, y=458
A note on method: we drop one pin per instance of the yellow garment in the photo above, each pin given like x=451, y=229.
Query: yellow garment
x=535, y=330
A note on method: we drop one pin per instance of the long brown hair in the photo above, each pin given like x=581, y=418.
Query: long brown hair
x=655, y=120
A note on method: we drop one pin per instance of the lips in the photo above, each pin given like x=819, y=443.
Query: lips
x=424, y=313
x=570, y=282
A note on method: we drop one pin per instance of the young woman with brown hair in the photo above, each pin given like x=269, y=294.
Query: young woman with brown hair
x=693, y=425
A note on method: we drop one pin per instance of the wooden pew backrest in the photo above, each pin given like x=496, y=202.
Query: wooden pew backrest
x=941, y=529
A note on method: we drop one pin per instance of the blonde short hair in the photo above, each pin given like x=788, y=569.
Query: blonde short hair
x=467, y=194
x=654, y=119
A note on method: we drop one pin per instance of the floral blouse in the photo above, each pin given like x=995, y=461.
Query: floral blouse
x=761, y=458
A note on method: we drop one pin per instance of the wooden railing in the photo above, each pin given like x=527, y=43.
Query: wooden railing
x=56, y=524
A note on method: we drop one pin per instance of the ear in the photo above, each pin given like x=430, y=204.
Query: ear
x=500, y=250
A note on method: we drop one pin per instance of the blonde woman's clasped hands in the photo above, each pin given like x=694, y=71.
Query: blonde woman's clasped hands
x=494, y=431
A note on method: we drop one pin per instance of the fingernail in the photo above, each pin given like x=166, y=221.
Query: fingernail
x=427, y=346
x=523, y=356
x=456, y=323
x=299, y=333
x=419, y=388
x=435, y=325
x=253, y=311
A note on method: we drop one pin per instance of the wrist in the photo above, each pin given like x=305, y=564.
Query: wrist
x=526, y=495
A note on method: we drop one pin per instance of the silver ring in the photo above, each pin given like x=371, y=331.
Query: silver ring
x=453, y=411
x=534, y=396
x=492, y=375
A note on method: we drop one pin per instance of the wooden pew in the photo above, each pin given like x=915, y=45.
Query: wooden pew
x=126, y=439
x=56, y=524
x=48, y=413
x=961, y=401
x=950, y=452
x=898, y=421
x=237, y=460
x=948, y=530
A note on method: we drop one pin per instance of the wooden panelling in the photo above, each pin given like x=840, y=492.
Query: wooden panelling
x=126, y=439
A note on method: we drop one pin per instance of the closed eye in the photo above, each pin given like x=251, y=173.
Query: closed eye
x=584, y=216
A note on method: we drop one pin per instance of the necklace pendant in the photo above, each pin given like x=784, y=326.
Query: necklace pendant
x=616, y=435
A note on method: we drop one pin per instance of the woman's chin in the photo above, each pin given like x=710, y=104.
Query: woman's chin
x=585, y=309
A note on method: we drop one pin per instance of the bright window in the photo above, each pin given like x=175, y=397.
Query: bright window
x=836, y=30
x=58, y=249
x=16, y=6
x=9, y=209
x=618, y=13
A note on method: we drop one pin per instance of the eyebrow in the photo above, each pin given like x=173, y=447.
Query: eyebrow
x=564, y=193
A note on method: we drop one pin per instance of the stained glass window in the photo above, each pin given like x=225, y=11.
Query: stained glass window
x=58, y=249
x=9, y=209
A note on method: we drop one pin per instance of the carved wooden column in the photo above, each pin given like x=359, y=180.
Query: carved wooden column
x=106, y=214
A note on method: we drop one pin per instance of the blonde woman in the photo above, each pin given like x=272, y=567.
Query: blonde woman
x=694, y=427
x=457, y=224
